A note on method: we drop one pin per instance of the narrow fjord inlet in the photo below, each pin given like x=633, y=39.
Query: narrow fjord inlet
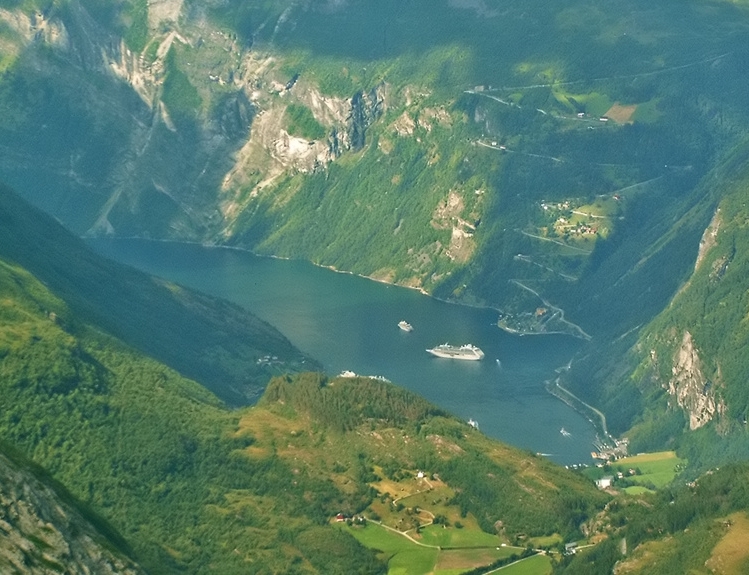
x=352, y=324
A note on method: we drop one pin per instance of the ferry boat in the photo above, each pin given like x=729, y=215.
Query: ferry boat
x=405, y=326
x=468, y=351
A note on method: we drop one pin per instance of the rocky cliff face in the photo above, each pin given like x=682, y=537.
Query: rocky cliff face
x=693, y=391
x=40, y=533
x=170, y=141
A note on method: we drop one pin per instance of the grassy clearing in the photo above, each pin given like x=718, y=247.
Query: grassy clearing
x=459, y=560
x=647, y=112
x=731, y=554
x=404, y=556
x=658, y=468
x=449, y=537
x=546, y=541
x=637, y=490
x=470, y=548
x=536, y=565
x=594, y=103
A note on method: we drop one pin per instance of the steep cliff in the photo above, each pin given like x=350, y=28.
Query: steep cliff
x=43, y=532
x=691, y=358
x=691, y=388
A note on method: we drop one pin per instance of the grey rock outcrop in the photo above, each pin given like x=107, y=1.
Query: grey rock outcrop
x=41, y=533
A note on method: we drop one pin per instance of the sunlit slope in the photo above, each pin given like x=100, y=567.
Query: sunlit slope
x=212, y=341
x=695, y=528
x=151, y=452
x=195, y=487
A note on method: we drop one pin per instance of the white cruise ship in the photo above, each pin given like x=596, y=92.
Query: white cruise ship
x=468, y=351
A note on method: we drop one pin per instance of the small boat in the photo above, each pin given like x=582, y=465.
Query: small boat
x=473, y=423
x=405, y=326
x=564, y=432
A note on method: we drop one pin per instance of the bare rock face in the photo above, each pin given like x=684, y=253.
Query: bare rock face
x=709, y=239
x=692, y=390
x=40, y=533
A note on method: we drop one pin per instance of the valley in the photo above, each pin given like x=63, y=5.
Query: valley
x=350, y=323
x=581, y=169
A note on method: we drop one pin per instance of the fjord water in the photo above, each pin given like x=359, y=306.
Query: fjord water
x=350, y=323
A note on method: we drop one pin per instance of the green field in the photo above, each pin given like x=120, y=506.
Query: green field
x=547, y=541
x=536, y=565
x=637, y=490
x=469, y=548
x=657, y=469
x=449, y=537
x=404, y=556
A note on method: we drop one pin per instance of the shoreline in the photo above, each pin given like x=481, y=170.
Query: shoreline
x=487, y=327
x=598, y=422
x=420, y=290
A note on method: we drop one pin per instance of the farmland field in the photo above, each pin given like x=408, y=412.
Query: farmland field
x=658, y=468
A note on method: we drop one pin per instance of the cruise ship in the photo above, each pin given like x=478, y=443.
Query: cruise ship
x=468, y=351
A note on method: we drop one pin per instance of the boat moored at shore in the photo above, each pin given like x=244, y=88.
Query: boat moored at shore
x=466, y=352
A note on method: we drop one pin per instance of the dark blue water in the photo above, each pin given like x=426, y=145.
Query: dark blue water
x=350, y=323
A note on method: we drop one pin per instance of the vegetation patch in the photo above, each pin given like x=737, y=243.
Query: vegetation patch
x=404, y=557
x=621, y=113
x=464, y=559
x=180, y=97
x=731, y=554
x=302, y=123
x=535, y=565
x=655, y=469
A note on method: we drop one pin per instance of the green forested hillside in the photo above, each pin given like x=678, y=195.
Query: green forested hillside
x=193, y=487
x=153, y=453
x=686, y=370
x=696, y=528
x=209, y=340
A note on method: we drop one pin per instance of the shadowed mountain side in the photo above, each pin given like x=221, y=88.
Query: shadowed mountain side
x=505, y=40
x=212, y=341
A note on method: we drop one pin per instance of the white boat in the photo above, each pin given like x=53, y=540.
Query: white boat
x=564, y=432
x=468, y=351
x=405, y=326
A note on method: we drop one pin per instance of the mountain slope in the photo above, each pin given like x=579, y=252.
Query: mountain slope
x=695, y=528
x=694, y=350
x=419, y=155
x=193, y=487
x=212, y=341
x=44, y=531
x=152, y=452
x=185, y=481
x=680, y=379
